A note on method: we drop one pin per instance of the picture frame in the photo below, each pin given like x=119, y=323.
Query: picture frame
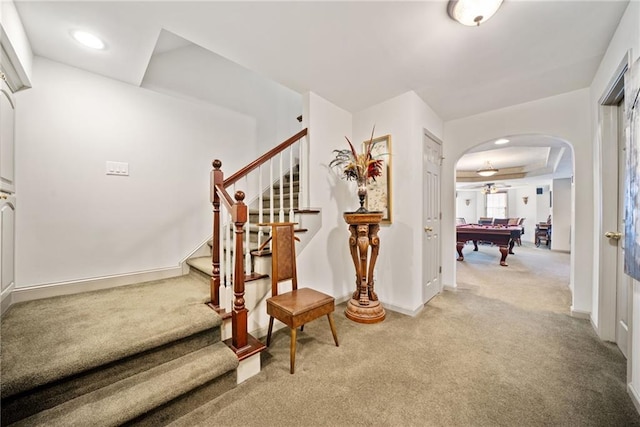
x=632, y=176
x=379, y=194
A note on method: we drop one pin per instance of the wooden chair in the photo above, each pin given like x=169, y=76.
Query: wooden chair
x=543, y=234
x=501, y=221
x=485, y=220
x=300, y=305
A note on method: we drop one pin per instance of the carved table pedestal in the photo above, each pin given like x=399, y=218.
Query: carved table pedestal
x=364, y=307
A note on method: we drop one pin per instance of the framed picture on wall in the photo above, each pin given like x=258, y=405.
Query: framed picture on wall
x=379, y=197
x=632, y=177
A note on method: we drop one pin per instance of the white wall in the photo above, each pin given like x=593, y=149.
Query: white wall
x=561, y=215
x=74, y=222
x=325, y=264
x=528, y=211
x=228, y=85
x=326, y=261
x=399, y=271
x=542, y=203
x=468, y=212
x=564, y=116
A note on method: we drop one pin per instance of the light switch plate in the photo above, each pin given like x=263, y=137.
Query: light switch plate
x=117, y=168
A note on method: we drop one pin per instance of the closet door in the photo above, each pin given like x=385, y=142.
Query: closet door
x=7, y=143
x=7, y=241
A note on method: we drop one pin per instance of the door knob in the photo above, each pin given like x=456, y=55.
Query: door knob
x=612, y=235
x=428, y=229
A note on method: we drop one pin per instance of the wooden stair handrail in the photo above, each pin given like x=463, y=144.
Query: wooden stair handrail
x=263, y=159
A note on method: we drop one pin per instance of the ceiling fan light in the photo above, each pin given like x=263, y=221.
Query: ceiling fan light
x=472, y=12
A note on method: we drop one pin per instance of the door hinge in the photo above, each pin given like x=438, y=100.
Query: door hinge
x=440, y=215
x=440, y=269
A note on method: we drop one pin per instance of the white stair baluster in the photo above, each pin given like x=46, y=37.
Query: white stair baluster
x=291, y=213
x=271, y=196
x=247, y=235
x=302, y=173
x=260, y=207
x=281, y=211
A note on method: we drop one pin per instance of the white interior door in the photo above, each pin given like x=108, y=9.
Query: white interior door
x=7, y=242
x=6, y=139
x=623, y=282
x=431, y=262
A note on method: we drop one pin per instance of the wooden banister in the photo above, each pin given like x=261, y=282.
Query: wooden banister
x=241, y=342
x=239, y=217
x=262, y=159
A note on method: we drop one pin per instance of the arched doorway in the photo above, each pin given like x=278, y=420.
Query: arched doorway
x=531, y=181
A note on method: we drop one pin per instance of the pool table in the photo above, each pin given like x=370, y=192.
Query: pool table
x=503, y=236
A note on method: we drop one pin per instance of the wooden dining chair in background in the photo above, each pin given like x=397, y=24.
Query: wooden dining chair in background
x=300, y=305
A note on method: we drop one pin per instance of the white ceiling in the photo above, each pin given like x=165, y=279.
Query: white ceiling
x=356, y=53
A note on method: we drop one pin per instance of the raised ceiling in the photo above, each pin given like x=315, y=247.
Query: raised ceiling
x=524, y=160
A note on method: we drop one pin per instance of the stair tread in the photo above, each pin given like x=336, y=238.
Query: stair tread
x=204, y=265
x=133, y=396
x=80, y=332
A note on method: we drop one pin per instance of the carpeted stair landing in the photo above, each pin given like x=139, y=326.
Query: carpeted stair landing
x=134, y=354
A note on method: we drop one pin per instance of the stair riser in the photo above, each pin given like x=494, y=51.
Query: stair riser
x=276, y=205
x=25, y=404
x=285, y=190
x=181, y=406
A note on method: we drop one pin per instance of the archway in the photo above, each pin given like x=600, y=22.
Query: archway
x=528, y=168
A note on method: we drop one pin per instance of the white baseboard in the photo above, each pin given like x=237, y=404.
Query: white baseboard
x=579, y=314
x=635, y=397
x=6, y=299
x=401, y=310
x=76, y=286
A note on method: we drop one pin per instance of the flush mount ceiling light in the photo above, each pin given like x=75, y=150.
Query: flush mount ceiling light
x=88, y=39
x=487, y=170
x=472, y=12
x=501, y=141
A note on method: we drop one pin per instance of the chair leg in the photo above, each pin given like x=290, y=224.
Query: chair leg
x=270, y=329
x=333, y=328
x=293, y=350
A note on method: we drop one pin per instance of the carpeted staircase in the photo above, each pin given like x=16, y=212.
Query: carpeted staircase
x=259, y=270
x=142, y=354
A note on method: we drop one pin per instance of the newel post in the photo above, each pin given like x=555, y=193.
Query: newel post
x=217, y=178
x=239, y=314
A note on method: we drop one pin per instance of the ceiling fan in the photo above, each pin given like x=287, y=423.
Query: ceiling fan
x=489, y=187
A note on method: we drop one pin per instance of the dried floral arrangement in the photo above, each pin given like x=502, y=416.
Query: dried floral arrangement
x=358, y=167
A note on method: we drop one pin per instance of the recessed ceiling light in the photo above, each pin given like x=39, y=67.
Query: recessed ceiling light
x=88, y=39
x=501, y=141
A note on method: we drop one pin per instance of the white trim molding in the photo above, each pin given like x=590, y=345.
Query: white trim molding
x=93, y=284
x=6, y=298
x=635, y=397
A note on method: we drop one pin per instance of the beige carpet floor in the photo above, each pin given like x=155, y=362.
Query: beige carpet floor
x=501, y=350
x=48, y=339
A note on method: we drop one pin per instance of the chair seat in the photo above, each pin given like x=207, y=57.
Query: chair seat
x=300, y=306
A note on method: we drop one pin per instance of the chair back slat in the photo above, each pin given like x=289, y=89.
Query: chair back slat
x=283, y=257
